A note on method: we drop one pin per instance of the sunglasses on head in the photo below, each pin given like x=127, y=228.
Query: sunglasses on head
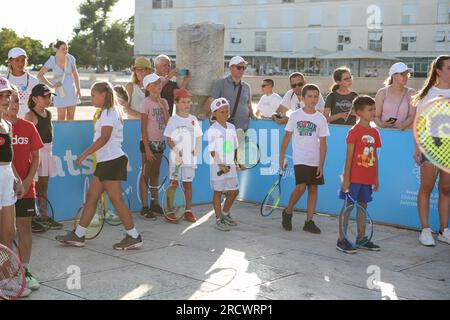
x=241, y=67
x=295, y=85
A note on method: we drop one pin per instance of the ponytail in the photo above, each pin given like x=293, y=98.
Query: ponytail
x=432, y=78
x=389, y=80
x=337, y=76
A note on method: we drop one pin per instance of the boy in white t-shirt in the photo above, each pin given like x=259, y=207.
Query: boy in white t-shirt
x=184, y=136
x=308, y=129
x=269, y=102
x=222, y=145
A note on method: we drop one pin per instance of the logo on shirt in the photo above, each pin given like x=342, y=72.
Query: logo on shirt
x=306, y=128
x=2, y=141
x=367, y=158
x=19, y=140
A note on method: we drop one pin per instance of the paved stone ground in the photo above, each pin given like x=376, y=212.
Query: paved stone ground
x=256, y=260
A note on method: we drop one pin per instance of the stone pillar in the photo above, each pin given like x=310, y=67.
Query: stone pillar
x=200, y=48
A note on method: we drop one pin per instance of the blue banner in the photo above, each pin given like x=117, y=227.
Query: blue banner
x=395, y=203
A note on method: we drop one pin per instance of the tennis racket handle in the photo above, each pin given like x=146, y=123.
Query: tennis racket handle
x=221, y=172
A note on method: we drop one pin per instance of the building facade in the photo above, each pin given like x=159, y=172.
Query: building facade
x=278, y=36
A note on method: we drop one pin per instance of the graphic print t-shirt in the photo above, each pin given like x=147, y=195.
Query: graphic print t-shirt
x=155, y=124
x=341, y=103
x=25, y=84
x=366, y=141
x=307, y=129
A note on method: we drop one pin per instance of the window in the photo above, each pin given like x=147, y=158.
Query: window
x=162, y=4
x=163, y=41
x=286, y=41
x=162, y=22
x=408, y=41
x=345, y=16
x=287, y=18
x=443, y=15
x=344, y=40
x=375, y=41
x=235, y=39
x=260, y=41
x=261, y=18
x=315, y=16
x=409, y=13
x=313, y=40
x=235, y=19
x=439, y=39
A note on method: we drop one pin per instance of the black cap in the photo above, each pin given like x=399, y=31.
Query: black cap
x=41, y=90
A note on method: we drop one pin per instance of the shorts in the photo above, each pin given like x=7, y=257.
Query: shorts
x=358, y=192
x=112, y=170
x=7, y=195
x=224, y=185
x=155, y=146
x=26, y=208
x=424, y=159
x=307, y=175
x=187, y=174
x=47, y=164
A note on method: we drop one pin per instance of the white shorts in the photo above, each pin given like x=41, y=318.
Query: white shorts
x=187, y=174
x=7, y=195
x=223, y=185
x=47, y=164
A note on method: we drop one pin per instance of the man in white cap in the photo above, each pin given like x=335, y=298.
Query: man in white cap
x=236, y=91
x=19, y=76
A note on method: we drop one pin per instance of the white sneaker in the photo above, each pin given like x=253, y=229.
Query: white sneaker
x=426, y=238
x=444, y=236
x=95, y=222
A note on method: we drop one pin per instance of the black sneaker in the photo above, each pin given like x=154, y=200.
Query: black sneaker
x=157, y=210
x=345, y=246
x=286, y=221
x=147, y=214
x=37, y=227
x=71, y=239
x=52, y=224
x=310, y=226
x=129, y=243
x=367, y=245
x=144, y=211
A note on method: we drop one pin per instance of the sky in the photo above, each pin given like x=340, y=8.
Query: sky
x=48, y=20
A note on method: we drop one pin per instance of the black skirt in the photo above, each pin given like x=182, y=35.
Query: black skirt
x=112, y=170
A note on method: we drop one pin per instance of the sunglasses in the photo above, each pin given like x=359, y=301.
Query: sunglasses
x=297, y=85
x=241, y=67
x=347, y=79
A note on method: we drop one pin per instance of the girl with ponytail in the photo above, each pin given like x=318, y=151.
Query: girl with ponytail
x=338, y=105
x=437, y=84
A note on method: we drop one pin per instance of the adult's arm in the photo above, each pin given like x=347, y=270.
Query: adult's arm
x=127, y=108
x=76, y=78
x=379, y=101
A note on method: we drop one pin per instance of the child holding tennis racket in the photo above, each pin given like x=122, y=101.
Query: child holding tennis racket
x=360, y=176
x=154, y=117
x=184, y=135
x=41, y=117
x=111, y=169
x=26, y=144
x=308, y=130
x=222, y=145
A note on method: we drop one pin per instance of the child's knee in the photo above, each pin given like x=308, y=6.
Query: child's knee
x=444, y=189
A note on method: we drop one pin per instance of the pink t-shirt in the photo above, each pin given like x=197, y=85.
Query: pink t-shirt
x=394, y=108
x=155, y=124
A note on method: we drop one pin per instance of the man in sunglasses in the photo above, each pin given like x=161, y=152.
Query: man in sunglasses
x=292, y=100
x=233, y=88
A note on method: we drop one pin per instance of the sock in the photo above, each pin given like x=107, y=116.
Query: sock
x=226, y=213
x=25, y=265
x=80, y=231
x=218, y=218
x=133, y=233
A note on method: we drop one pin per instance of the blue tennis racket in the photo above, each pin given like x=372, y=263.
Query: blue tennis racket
x=273, y=196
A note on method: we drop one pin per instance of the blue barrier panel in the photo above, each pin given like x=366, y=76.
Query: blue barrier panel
x=395, y=203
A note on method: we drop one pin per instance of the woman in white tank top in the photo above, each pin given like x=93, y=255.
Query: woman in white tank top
x=142, y=67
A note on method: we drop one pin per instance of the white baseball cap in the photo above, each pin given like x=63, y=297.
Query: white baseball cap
x=149, y=79
x=5, y=85
x=399, y=67
x=237, y=60
x=16, y=52
x=219, y=103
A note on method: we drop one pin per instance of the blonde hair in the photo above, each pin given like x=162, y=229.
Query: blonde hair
x=337, y=76
x=432, y=78
x=389, y=80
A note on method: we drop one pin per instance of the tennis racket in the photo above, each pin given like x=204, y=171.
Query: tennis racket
x=273, y=196
x=163, y=174
x=248, y=154
x=12, y=275
x=355, y=222
x=432, y=132
x=96, y=224
x=111, y=216
x=174, y=202
x=44, y=207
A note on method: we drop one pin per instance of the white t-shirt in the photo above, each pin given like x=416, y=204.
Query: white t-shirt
x=433, y=93
x=24, y=84
x=267, y=105
x=224, y=142
x=306, y=130
x=184, y=133
x=290, y=100
x=113, y=148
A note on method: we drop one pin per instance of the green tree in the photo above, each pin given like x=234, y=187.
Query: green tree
x=116, y=52
x=8, y=40
x=82, y=46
